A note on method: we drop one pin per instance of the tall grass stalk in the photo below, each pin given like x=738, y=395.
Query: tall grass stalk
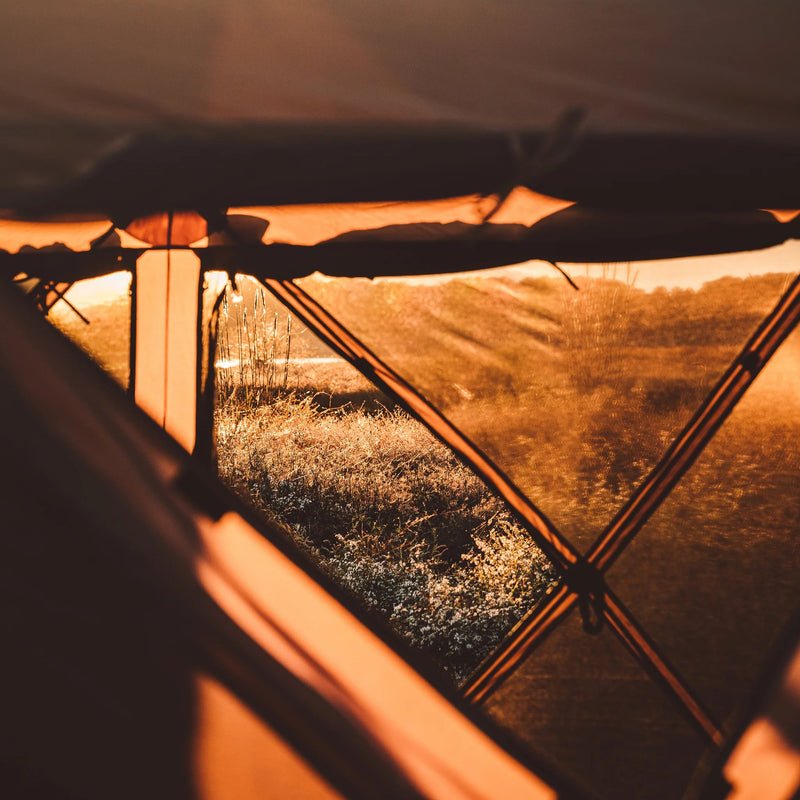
x=596, y=325
x=253, y=350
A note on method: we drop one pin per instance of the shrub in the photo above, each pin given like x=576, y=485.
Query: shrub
x=392, y=516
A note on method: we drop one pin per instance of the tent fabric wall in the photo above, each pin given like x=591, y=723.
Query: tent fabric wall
x=209, y=105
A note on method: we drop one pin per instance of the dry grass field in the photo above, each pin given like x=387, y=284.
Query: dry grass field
x=393, y=516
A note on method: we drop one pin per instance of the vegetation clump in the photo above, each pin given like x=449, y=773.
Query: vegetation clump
x=392, y=516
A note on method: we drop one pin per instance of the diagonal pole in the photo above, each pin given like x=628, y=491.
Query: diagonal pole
x=701, y=428
x=546, y=535
x=533, y=628
x=656, y=665
x=527, y=634
x=521, y=640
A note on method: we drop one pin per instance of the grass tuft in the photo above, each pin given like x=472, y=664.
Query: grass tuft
x=391, y=515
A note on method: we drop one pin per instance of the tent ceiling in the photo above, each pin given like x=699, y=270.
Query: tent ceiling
x=128, y=109
x=197, y=168
x=636, y=65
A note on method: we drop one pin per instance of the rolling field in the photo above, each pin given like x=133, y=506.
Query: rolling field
x=615, y=374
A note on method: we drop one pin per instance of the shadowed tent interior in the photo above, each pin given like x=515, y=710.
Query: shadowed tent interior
x=562, y=238
x=159, y=642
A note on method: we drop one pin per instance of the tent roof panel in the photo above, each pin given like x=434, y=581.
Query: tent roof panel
x=147, y=106
x=189, y=167
x=643, y=66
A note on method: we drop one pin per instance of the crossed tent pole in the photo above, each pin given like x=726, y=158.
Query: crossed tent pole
x=584, y=582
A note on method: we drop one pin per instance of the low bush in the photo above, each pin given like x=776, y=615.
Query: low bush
x=390, y=514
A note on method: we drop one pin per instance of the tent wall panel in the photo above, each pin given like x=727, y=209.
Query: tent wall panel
x=587, y=704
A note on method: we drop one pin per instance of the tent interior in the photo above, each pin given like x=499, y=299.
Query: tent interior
x=609, y=405
x=574, y=265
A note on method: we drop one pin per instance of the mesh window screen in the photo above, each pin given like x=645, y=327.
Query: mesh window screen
x=713, y=576
x=586, y=704
x=574, y=394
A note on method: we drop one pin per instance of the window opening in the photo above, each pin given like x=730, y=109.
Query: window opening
x=381, y=505
x=584, y=582
x=96, y=315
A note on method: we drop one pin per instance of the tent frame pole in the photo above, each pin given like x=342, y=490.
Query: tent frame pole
x=564, y=557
